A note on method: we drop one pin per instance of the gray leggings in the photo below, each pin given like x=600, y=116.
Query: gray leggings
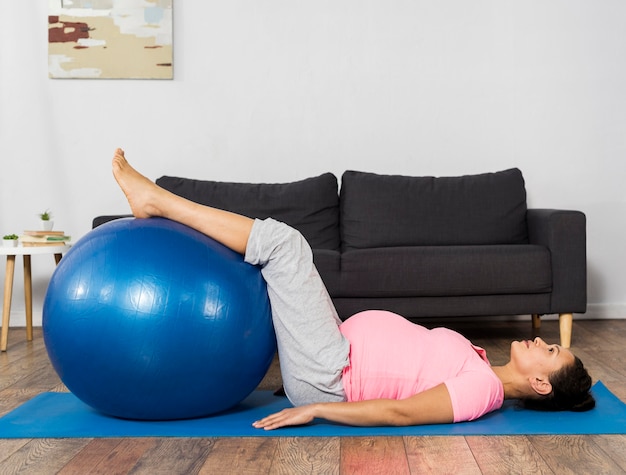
x=312, y=350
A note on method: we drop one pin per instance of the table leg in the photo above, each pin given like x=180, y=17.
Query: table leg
x=6, y=307
x=28, y=298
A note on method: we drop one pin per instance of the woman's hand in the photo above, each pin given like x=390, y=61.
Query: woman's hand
x=287, y=417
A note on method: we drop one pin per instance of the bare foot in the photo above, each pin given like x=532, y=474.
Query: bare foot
x=141, y=193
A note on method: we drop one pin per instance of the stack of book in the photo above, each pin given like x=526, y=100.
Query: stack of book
x=44, y=238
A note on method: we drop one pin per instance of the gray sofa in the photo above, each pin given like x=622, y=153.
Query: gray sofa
x=423, y=246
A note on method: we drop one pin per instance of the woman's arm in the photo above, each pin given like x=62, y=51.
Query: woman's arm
x=429, y=407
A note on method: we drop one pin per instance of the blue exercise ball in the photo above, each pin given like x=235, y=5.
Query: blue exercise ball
x=148, y=319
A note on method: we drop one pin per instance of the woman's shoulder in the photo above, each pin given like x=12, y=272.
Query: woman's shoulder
x=475, y=392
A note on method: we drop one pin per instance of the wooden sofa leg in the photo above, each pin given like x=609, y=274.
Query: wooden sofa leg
x=565, y=329
x=536, y=321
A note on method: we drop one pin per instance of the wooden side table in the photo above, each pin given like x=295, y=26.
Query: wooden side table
x=26, y=252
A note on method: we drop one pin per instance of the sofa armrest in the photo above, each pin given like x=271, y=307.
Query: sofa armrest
x=563, y=232
x=98, y=220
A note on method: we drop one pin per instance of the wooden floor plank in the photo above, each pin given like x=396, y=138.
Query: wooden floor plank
x=174, y=455
x=43, y=456
x=573, y=455
x=306, y=455
x=597, y=334
x=244, y=456
x=90, y=457
x=41, y=378
x=8, y=447
x=614, y=446
x=14, y=369
x=123, y=457
x=10, y=398
x=362, y=455
x=507, y=455
x=440, y=455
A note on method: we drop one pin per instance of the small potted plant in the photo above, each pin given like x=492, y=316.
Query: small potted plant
x=46, y=220
x=10, y=240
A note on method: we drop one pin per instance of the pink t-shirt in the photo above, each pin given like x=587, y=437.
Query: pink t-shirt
x=392, y=358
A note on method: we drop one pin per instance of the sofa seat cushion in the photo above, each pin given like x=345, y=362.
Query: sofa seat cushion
x=391, y=210
x=445, y=271
x=311, y=205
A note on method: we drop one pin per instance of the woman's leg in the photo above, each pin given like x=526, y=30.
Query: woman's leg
x=146, y=200
x=312, y=350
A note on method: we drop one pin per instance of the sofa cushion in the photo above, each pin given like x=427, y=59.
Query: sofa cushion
x=392, y=210
x=432, y=271
x=311, y=205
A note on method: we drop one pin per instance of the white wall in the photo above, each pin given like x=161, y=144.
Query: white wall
x=284, y=89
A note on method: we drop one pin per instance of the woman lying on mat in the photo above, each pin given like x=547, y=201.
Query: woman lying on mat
x=376, y=368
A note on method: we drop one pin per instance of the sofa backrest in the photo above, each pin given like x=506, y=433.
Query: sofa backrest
x=311, y=205
x=391, y=210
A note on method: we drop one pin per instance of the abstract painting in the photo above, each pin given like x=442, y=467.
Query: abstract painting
x=110, y=39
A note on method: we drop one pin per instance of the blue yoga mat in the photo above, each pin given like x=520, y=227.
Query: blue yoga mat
x=62, y=415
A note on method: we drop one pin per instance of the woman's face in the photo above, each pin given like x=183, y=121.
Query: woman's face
x=538, y=359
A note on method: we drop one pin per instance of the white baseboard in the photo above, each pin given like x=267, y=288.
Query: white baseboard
x=18, y=319
x=605, y=311
x=595, y=311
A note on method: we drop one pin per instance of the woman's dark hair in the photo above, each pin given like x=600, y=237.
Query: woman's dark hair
x=570, y=391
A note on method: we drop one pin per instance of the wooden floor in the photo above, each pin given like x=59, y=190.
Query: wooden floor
x=25, y=371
